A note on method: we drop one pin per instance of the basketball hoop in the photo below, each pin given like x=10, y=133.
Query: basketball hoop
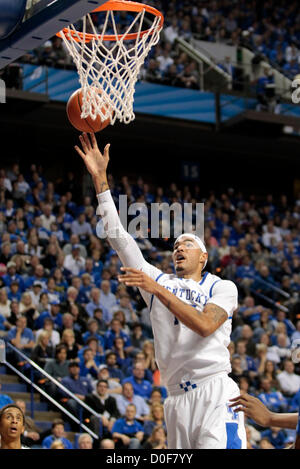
x=108, y=64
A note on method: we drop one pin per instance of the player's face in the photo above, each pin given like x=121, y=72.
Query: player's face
x=187, y=256
x=11, y=424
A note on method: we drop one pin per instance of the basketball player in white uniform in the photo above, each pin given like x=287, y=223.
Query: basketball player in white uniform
x=191, y=318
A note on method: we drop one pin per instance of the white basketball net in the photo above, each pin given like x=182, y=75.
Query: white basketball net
x=108, y=70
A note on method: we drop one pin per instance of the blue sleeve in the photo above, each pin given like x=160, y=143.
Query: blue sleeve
x=117, y=427
x=67, y=443
x=252, y=366
x=101, y=340
x=127, y=341
x=298, y=426
x=65, y=383
x=10, y=335
x=107, y=340
x=90, y=387
x=140, y=427
x=149, y=390
x=47, y=442
x=85, y=336
x=295, y=403
x=31, y=335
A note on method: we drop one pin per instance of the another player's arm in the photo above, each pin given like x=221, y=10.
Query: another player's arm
x=256, y=410
x=203, y=323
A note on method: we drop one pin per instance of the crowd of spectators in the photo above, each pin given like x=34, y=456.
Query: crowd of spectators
x=270, y=29
x=61, y=303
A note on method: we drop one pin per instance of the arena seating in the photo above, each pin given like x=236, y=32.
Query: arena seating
x=253, y=241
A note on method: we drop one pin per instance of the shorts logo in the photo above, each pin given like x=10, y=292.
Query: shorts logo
x=233, y=415
x=187, y=386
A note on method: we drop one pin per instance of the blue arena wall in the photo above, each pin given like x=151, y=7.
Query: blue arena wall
x=149, y=98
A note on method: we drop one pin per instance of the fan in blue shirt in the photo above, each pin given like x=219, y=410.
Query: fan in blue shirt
x=14, y=293
x=114, y=332
x=4, y=399
x=80, y=386
x=128, y=431
x=21, y=336
x=58, y=433
x=276, y=437
x=54, y=314
x=93, y=331
x=273, y=400
x=141, y=386
x=113, y=367
x=295, y=402
x=12, y=276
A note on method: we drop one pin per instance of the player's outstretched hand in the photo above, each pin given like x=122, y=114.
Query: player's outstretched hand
x=252, y=408
x=95, y=162
x=137, y=278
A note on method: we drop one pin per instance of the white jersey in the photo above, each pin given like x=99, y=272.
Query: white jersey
x=182, y=355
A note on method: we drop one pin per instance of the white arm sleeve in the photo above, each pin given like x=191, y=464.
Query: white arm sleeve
x=225, y=295
x=121, y=241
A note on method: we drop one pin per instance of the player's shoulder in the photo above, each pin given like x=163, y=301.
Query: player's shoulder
x=163, y=276
x=218, y=284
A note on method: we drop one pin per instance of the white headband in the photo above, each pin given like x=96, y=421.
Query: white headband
x=198, y=241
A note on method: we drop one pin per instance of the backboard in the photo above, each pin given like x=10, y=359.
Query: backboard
x=42, y=20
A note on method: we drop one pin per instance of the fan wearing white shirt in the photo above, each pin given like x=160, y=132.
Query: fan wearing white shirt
x=74, y=262
x=288, y=380
x=191, y=319
x=108, y=299
x=49, y=327
x=128, y=397
x=47, y=217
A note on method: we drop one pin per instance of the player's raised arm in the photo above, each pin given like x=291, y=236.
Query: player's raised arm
x=121, y=241
x=95, y=162
x=203, y=323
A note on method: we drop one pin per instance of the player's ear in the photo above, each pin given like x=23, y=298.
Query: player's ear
x=203, y=257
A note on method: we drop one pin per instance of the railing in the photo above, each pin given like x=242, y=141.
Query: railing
x=275, y=289
x=272, y=287
x=273, y=303
x=203, y=60
x=33, y=385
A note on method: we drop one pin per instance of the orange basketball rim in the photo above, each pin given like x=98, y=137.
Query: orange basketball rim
x=115, y=5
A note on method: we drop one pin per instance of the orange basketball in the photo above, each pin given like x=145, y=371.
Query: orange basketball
x=74, y=109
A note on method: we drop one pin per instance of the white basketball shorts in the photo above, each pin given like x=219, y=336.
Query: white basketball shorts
x=198, y=416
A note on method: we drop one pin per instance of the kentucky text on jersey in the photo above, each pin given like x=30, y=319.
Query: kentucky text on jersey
x=188, y=295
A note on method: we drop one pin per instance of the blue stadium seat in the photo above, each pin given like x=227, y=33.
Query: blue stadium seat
x=38, y=406
x=14, y=387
